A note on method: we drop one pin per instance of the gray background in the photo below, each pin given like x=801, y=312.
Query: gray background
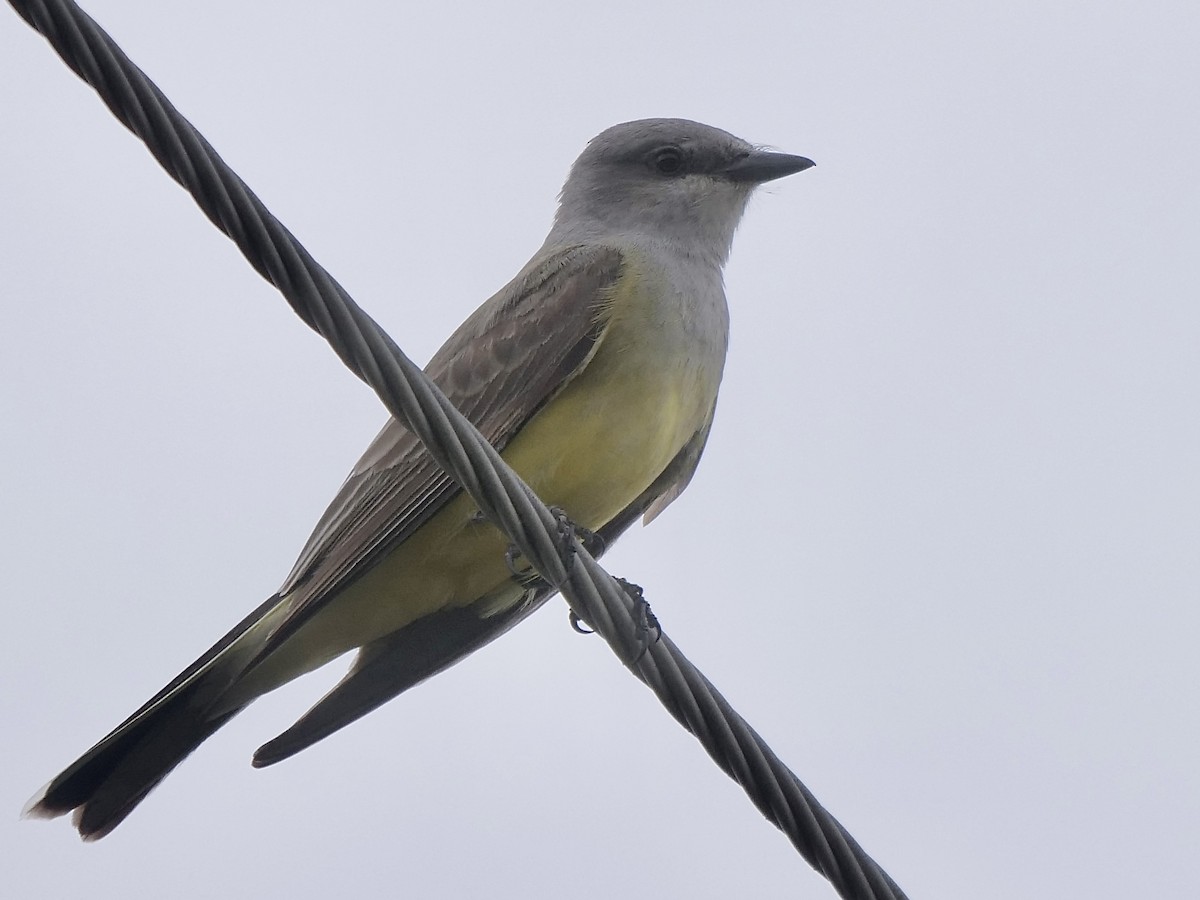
x=944, y=548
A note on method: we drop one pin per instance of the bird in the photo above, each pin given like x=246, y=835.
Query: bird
x=595, y=372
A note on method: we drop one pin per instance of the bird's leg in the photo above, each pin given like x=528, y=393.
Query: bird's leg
x=525, y=576
x=592, y=541
x=568, y=532
x=646, y=619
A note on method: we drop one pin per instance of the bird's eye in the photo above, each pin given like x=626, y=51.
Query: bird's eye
x=668, y=161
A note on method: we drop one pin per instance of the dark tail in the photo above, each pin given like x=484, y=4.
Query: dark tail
x=105, y=784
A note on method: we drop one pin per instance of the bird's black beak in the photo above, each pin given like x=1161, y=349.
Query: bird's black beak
x=758, y=166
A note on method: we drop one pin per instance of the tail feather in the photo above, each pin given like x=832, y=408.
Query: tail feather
x=393, y=664
x=111, y=779
x=105, y=784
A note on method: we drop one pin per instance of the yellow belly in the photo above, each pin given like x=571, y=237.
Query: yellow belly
x=591, y=451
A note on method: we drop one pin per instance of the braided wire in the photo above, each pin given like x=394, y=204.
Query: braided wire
x=593, y=595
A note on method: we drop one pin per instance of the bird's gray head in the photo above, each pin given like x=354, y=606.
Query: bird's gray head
x=666, y=180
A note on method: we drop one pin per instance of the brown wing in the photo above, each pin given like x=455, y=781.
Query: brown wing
x=500, y=367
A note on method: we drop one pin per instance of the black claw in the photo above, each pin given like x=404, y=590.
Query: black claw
x=646, y=619
x=635, y=592
x=577, y=624
x=567, y=531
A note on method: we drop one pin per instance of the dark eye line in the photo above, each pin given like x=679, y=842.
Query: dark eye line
x=668, y=160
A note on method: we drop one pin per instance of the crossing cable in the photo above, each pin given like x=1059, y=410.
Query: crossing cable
x=606, y=604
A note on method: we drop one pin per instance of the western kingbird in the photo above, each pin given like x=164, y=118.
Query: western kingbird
x=594, y=371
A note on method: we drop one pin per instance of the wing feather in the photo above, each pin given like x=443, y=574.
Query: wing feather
x=398, y=661
x=502, y=365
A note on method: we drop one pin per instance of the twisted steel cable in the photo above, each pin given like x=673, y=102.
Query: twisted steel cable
x=609, y=606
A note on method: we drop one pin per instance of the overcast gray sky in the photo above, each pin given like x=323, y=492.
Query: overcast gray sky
x=943, y=550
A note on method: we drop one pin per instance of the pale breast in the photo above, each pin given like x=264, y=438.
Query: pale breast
x=646, y=391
